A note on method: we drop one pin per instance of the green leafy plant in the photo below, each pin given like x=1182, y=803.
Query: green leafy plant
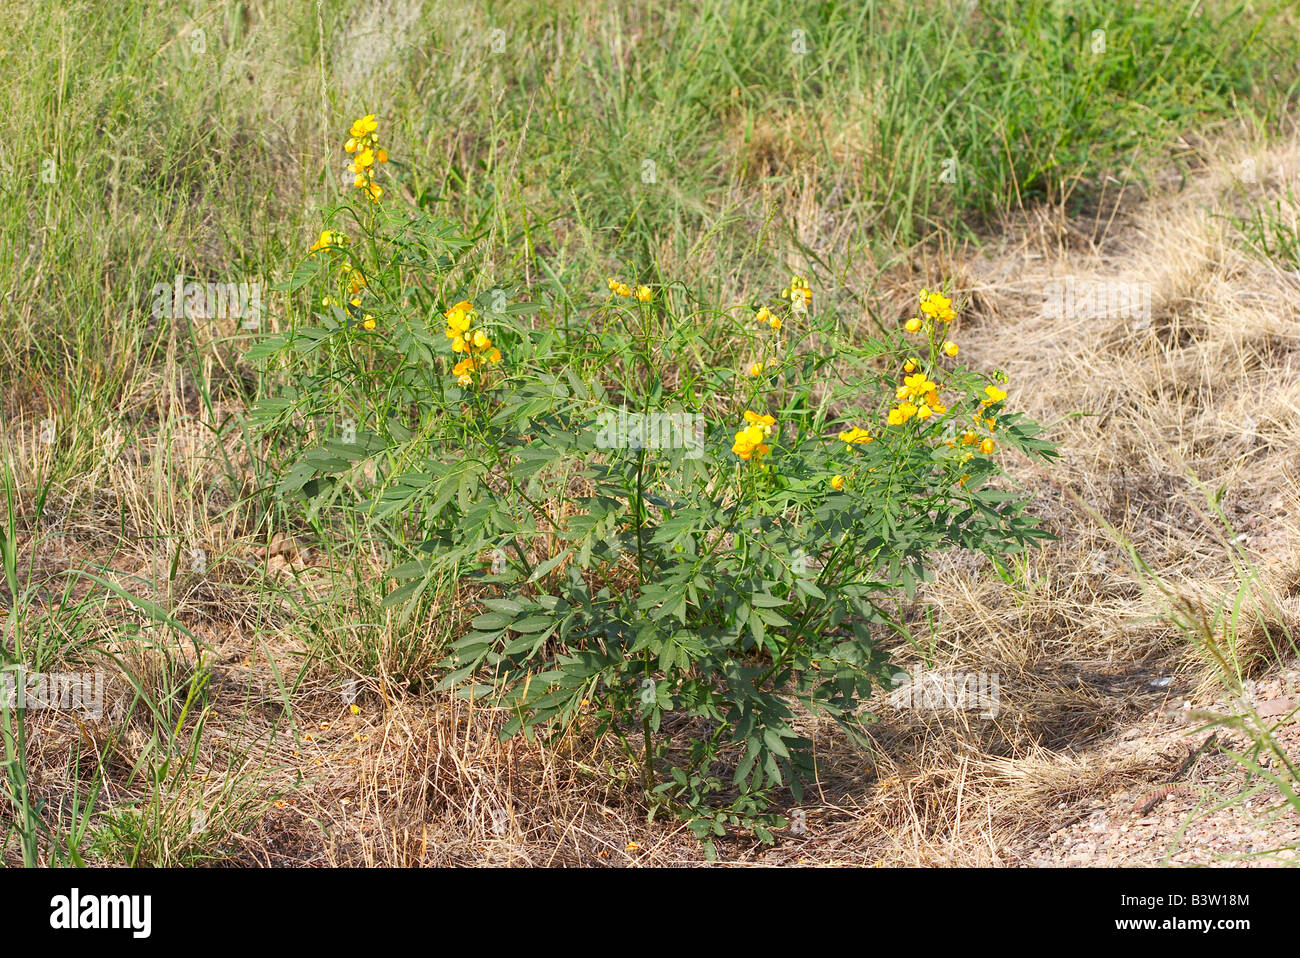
x=666, y=522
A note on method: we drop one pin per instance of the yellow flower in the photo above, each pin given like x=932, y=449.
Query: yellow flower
x=916, y=386
x=368, y=322
x=477, y=345
x=749, y=442
x=912, y=325
x=968, y=438
x=458, y=318
x=902, y=413
x=855, y=436
x=925, y=412
x=937, y=306
x=987, y=447
x=460, y=314
x=364, y=126
x=992, y=394
x=950, y=348
x=632, y=846
x=364, y=144
x=799, y=293
x=909, y=366
x=354, y=709
x=756, y=369
x=837, y=483
x=643, y=293
x=328, y=239
x=463, y=369
x=623, y=290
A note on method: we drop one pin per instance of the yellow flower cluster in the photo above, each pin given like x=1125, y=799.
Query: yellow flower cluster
x=765, y=317
x=328, y=239
x=855, y=436
x=983, y=418
x=332, y=241
x=935, y=307
x=618, y=288
x=475, y=344
x=970, y=438
x=918, y=397
x=992, y=394
x=751, y=441
x=799, y=296
x=363, y=144
x=799, y=293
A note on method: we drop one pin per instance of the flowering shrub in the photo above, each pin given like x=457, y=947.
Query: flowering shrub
x=676, y=524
